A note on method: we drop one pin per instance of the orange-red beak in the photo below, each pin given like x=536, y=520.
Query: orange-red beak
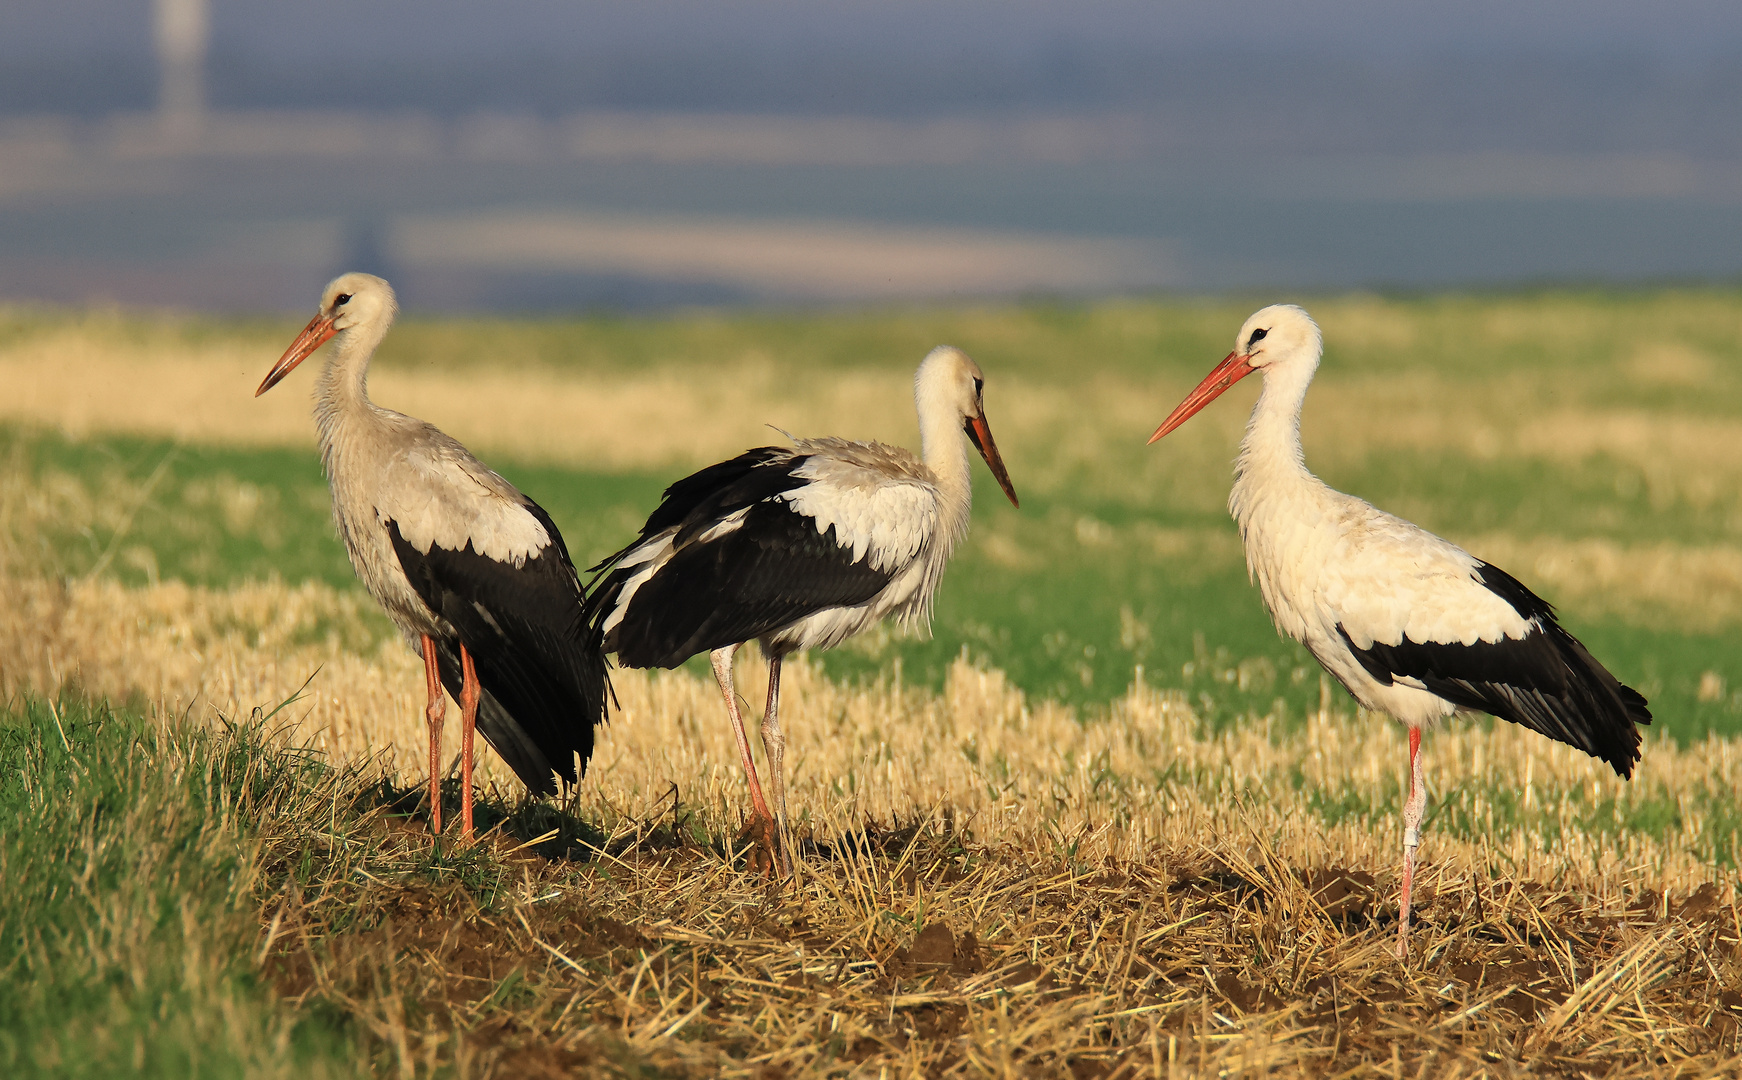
x=981, y=436
x=313, y=336
x=1231, y=370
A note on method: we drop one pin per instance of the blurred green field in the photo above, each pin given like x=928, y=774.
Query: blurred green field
x=1539, y=425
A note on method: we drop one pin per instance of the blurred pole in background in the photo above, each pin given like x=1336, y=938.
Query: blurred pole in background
x=182, y=28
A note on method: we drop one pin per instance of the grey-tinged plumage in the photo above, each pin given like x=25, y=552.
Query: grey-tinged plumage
x=473, y=572
x=798, y=547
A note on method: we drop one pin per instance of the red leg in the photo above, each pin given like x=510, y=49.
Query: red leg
x=436, y=715
x=469, y=691
x=722, y=661
x=1412, y=808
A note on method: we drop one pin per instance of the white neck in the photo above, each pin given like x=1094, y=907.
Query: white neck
x=342, y=390
x=1271, y=461
x=944, y=448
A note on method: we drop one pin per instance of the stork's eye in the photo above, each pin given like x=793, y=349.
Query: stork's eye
x=342, y=299
x=1257, y=336
x=979, y=387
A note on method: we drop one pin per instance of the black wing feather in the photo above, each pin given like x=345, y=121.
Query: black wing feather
x=773, y=570
x=512, y=743
x=702, y=499
x=544, y=683
x=1547, y=680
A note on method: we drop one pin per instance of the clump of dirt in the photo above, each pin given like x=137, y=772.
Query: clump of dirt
x=936, y=950
x=1343, y=893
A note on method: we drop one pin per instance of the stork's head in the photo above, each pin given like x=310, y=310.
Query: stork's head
x=1279, y=336
x=351, y=304
x=949, y=385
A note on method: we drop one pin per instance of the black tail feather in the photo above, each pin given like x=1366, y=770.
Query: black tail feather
x=1546, y=681
x=544, y=687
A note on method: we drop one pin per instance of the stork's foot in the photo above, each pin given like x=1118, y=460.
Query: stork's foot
x=428, y=803
x=467, y=836
x=767, y=855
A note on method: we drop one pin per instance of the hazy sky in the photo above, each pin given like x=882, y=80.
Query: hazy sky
x=1377, y=28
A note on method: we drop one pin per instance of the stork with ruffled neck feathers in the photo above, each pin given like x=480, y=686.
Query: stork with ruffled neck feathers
x=799, y=547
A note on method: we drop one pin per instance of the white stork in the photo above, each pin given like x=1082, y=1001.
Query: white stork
x=1412, y=625
x=473, y=572
x=798, y=547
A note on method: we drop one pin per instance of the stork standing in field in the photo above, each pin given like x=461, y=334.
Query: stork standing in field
x=799, y=547
x=1410, y=624
x=473, y=572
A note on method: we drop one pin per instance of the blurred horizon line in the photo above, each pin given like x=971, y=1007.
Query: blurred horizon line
x=687, y=137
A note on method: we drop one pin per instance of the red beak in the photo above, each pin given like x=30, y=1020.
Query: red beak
x=1231, y=370
x=313, y=336
x=981, y=436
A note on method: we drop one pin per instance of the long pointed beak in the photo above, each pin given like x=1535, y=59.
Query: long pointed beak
x=313, y=336
x=1231, y=370
x=981, y=436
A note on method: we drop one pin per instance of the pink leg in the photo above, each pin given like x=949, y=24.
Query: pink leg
x=469, y=692
x=1412, y=808
x=774, y=745
x=722, y=661
x=436, y=715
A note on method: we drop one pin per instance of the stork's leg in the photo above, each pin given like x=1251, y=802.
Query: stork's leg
x=469, y=693
x=1412, y=808
x=774, y=744
x=722, y=661
x=436, y=714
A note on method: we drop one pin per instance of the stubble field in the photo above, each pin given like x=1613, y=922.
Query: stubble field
x=1103, y=822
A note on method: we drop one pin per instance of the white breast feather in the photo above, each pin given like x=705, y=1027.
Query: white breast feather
x=1430, y=592
x=1324, y=559
x=885, y=518
x=442, y=497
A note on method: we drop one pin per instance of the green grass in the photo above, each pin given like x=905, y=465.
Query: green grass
x=128, y=921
